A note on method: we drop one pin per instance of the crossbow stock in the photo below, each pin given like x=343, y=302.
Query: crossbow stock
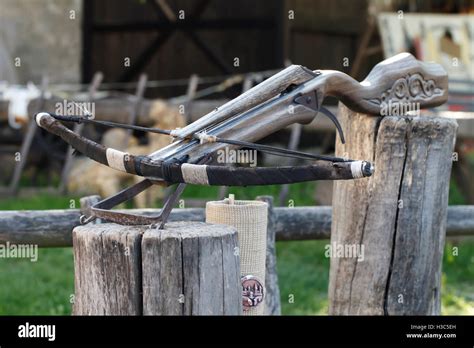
x=293, y=95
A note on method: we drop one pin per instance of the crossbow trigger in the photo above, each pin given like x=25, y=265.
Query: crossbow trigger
x=310, y=100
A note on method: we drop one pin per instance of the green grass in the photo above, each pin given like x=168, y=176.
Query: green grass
x=458, y=278
x=46, y=286
x=303, y=275
x=303, y=272
x=39, y=202
x=37, y=288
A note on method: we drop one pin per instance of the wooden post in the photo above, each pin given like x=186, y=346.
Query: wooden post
x=293, y=144
x=28, y=139
x=190, y=95
x=272, y=297
x=78, y=127
x=107, y=269
x=136, y=106
x=246, y=85
x=189, y=268
x=395, y=219
x=86, y=204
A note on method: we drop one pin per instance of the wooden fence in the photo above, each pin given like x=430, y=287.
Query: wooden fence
x=53, y=228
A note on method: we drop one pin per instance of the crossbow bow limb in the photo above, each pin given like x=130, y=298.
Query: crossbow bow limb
x=293, y=95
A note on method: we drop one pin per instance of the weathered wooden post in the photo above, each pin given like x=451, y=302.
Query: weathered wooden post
x=93, y=87
x=393, y=223
x=107, y=269
x=272, y=298
x=189, y=268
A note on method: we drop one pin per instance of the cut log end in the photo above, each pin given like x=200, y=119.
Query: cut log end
x=189, y=268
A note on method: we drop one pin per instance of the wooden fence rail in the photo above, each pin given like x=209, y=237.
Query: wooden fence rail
x=53, y=228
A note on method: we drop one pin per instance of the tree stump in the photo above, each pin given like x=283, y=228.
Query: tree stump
x=189, y=268
x=107, y=269
x=398, y=216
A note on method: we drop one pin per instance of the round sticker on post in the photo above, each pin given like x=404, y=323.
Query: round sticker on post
x=253, y=292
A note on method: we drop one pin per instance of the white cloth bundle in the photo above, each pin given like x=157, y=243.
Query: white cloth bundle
x=250, y=220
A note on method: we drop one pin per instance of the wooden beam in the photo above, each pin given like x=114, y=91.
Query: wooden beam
x=52, y=228
x=145, y=56
x=190, y=95
x=342, y=25
x=166, y=9
x=87, y=40
x=93, y=87
x=293, y=144
x=262, y=23
x=272, y=297
x=364, y=42
x=4, y=104
x=223, y=66
x=28, y=139
x=136, y=106
x=246, y=85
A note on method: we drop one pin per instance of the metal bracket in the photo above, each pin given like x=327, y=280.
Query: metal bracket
x=103, y=208
x=310, y=100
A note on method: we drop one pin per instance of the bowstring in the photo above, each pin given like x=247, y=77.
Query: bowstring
x=260, y=147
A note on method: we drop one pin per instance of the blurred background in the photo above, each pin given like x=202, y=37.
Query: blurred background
x=166, y=63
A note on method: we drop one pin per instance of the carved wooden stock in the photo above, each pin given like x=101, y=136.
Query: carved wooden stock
x=393, y=86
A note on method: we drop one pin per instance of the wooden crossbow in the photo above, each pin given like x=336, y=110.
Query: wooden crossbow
x=294, y=95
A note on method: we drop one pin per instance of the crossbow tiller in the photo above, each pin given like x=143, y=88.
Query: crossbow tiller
x=293, y=95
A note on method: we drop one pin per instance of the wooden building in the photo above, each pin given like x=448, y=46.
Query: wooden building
x=170, y=40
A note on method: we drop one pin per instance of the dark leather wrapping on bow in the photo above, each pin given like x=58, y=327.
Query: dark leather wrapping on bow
x=176, y=172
